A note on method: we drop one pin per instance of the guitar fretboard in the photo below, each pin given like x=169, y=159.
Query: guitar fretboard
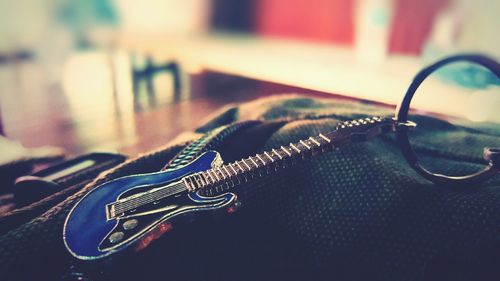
x=223, y=178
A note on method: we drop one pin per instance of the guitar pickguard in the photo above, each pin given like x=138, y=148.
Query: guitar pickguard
x=132, y=226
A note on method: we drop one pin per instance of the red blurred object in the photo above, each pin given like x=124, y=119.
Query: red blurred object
x=154, y=234
x=333, y=21
x=232, y=209
x=412, y=24
x=321, y=20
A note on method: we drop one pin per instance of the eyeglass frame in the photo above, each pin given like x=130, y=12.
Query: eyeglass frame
x=401, y=116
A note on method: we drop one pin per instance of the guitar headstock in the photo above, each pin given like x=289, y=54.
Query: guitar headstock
x=365, y=128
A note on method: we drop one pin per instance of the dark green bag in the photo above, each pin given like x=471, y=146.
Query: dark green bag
x=359, y=213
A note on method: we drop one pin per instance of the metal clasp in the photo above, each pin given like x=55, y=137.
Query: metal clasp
x=493, y=156
x=409, y=125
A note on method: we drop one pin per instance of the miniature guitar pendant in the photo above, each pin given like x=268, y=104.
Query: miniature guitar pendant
x=118, y=213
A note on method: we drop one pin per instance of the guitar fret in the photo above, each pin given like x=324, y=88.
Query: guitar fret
x=324, y=137
x=229, y=175
x=246, y=164
x=265, y=153
x=193, y=183
x=287, y=152
x=225, y=169
x=237, y=167
x=234, y=170
x=186, y=183
x=215, y=174
x=235, y=173
x=275, y=152
x=198, y=181
x=208, y=178
x=222, y=173
x=219, y=177
x=257, y=165
x=305, y=144
x=253, y=161
x=203, y=180
x=315, y=141
x=237, y=163
x=211, y=178
x=294, y=147
x=261, y=160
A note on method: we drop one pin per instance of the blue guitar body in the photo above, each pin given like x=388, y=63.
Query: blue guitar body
x=90, y=232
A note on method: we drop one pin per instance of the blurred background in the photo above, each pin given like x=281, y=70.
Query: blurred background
x=130, y=75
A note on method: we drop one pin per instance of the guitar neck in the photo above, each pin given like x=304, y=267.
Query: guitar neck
x=223, y=178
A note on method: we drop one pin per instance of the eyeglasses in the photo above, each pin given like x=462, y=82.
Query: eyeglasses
x=453, y=150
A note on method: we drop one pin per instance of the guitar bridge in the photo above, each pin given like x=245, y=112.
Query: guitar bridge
x=110, y=211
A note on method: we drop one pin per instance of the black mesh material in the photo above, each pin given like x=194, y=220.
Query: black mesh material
x=358, y=213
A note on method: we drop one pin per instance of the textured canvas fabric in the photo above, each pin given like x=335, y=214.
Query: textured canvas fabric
x=357, y=213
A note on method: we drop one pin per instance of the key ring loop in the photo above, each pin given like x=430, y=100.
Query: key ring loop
x=401, y=117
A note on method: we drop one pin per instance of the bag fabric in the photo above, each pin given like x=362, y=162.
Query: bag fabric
x=357, y=213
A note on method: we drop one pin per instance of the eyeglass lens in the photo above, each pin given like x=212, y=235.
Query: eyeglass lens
x=457, y=109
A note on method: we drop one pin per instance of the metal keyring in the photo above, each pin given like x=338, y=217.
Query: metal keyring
x=402, y=131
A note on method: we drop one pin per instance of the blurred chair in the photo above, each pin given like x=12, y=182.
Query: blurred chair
x=147, y=73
